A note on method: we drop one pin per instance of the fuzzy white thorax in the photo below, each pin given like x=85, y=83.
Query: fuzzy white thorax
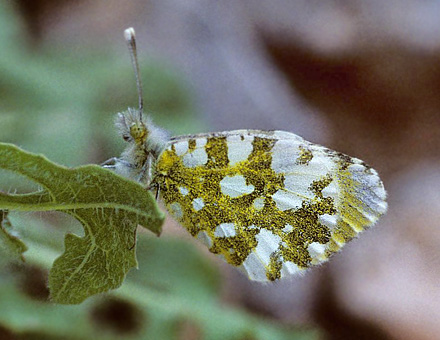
x=139, y=157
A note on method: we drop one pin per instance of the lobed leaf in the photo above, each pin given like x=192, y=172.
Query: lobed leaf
x=109, y=208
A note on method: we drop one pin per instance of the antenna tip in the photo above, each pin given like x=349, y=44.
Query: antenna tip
x=129, y=34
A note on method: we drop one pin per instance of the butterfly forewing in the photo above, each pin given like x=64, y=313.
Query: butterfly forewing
x=270, y=203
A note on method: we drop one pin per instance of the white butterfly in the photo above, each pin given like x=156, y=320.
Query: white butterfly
x=268, y=202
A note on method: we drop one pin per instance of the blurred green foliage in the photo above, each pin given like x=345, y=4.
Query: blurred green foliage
x=60, y=101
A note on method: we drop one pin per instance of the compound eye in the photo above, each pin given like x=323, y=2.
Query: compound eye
x=126, y=138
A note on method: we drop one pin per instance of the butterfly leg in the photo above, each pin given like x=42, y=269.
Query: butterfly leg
x=157, y=192
x=154, y=186
x=146, y=172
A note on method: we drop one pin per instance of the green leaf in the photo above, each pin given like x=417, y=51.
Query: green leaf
x=108, y=206
x=11, y=247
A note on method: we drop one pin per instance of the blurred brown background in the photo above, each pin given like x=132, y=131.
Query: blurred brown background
x=361, y=77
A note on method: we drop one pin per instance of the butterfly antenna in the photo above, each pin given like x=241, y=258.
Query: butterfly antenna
x=130, y=38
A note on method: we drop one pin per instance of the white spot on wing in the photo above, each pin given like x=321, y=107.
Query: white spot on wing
x=284, y=155
x=299, y=184
x=267, y=244
x=253, y=267
x=259, y=203
x=203, y=237
x=289, y=268
x=316, y=250
x=331, y=190
x=287, y=228
x=200, y=143
x=235, y=186
x=225, y=230
x=257, y=261
x=181, y=147
x=195, y=158
x=238, y=150
x=328, y=220
x=184, y=191
x=198, y=203
x=285, y=200
x=321, y=164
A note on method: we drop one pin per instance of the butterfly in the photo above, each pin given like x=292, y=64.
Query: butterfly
x=267, y=202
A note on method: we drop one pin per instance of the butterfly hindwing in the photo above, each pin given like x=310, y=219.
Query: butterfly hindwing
x=270, y=203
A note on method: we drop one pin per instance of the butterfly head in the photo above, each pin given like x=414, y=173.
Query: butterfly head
x=131, y=126
x=145, y=143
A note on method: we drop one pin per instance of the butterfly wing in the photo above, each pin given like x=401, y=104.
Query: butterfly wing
x=270, y=203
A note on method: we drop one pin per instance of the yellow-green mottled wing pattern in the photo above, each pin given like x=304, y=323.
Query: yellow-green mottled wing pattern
x=270, y=203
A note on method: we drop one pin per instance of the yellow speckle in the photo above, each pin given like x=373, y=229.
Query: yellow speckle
x=305, y=156
x=274, y=269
